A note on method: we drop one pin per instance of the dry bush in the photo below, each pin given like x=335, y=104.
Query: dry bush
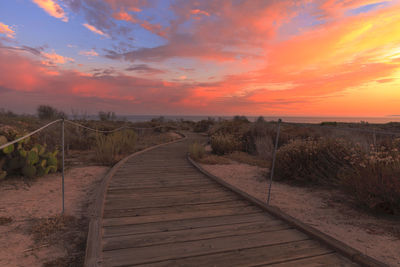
x=237, y=131
x=312, y=161
x=110, y=148
x=374, y=179
x=222, y=144
x=196, y=151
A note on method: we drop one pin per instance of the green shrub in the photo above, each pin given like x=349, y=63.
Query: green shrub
x=312, y=161
x=196, y=151
x=224, y=144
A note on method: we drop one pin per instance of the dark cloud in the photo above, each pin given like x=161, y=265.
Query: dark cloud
x=144, y=68
x=37, y=51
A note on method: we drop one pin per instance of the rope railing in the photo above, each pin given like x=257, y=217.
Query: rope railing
x=111, y=131
x=63, y=140
x=29, y=134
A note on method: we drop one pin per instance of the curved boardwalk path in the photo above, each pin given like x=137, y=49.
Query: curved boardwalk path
x=161, y=211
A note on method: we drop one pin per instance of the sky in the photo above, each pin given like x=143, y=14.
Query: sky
x=201, y=57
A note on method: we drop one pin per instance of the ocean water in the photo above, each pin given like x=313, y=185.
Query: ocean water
x=141, y=118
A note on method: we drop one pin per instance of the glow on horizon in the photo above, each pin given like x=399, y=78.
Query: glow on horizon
x=315, y=58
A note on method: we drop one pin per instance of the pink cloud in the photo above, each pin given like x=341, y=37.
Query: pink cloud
x=95, y=30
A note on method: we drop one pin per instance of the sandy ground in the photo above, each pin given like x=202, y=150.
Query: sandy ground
x=41, y=199
x=327, y=210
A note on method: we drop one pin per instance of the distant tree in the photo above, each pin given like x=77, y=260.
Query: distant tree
x=46, y=112
x=260, y=119
x=238, y=118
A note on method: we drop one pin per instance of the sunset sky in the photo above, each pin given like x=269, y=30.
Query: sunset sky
x=202, y=57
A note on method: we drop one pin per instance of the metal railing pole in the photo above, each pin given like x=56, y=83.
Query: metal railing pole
x=273, y=161
x=62, y=134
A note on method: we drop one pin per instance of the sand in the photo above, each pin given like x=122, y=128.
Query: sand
x=41, y=199
x=329, y=211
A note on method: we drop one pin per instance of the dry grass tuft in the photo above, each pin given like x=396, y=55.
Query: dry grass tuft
x=197, y=151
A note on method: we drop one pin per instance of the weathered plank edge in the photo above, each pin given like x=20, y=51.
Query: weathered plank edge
x=331, y=242
x=93, y=254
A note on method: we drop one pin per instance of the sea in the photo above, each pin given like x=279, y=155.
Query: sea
x=293, y=119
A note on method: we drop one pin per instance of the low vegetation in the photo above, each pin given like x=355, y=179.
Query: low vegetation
x=197, y=151
x=40, y=154
x=347, y=156
x=111, y=148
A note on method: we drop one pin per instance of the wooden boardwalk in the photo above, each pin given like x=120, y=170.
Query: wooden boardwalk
x=161, y=211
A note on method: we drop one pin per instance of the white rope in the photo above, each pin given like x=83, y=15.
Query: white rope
x=110, y=131
x=95, y=130
x=28, y=135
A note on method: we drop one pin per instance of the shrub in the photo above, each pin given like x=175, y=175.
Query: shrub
x=374, y=179
x=312, y=161
x=110, y=148
x=196, y=151
x=238, y=131
x=224, y=144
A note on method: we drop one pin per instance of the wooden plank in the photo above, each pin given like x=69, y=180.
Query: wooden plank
x=252, y=256
x=156, y=183
x=164, y=192
x=180, y=216
x=165, y=189
x=157, y=253
x=183, y=224
x=109, y=213
x=173, y=194
x=165, y=202
x=172, y=237
x=332, y=259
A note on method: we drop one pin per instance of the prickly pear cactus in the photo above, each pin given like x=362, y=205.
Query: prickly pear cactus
x=27, y=159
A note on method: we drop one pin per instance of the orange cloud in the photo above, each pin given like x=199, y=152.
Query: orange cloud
x=52, y=8
x=95, y=30
x=5, y=29
x=53, y=58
